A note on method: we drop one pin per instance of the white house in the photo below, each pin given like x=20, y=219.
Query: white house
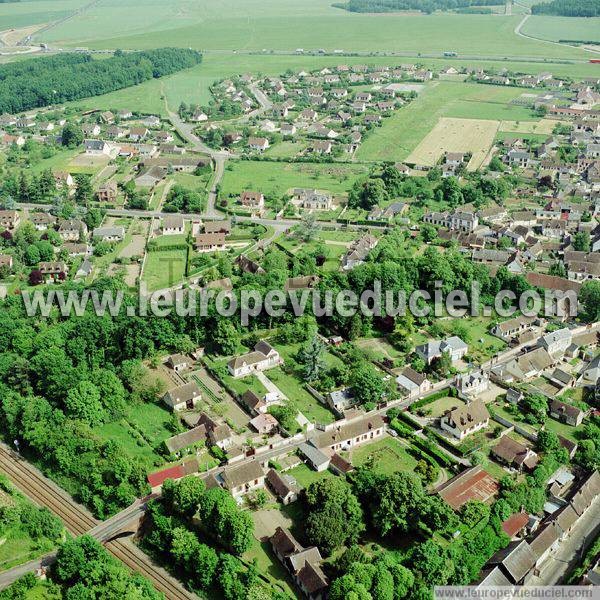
x=183, y=397
x=466, y=419
x=455, y=347
x=557, y=342
x=413, y=383
x=263, y=357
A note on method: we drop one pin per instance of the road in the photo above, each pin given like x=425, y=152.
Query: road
x=78, y=520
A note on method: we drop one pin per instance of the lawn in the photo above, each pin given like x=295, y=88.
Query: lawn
x=163, y=268
x=304, y=475
x=438, y=407
x=275, y=179
x=407, y=127
x=16, y=545
x=386, y=456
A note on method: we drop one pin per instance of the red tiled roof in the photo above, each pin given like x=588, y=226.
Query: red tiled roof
x=156, y=479
x=472, y=484
x=515, y=523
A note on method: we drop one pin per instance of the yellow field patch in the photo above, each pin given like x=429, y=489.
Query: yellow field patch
x=456, y=135
x=544, y=126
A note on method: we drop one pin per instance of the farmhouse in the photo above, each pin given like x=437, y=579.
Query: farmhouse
x=183, y=397
x=178, y=362
x=263, y=357
x=209, y=242
x=464, y=420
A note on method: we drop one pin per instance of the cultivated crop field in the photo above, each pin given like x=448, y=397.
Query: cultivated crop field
x=456, y=135
x=563, y=28
x=545, y=126
x=404, y=131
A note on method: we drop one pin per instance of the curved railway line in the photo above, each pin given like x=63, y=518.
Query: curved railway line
x=79, y=521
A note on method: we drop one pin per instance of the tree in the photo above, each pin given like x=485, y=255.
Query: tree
x=72, y=135
x=367, y=384
x=83, y=402
x=589, y=296
x=83, y=188
x=334, y=516
x=582, y=241
x=310, y=357
x=536, y=405
x=226, y=337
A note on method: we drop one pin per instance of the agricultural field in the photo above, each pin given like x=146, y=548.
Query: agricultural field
x=543, y=127
x=255, y=25
x=275, y=179
x=402, y=133
x=456, y=135
x=562, y=28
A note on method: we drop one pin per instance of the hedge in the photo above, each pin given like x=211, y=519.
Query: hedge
x=432, y=398
x=442, y=441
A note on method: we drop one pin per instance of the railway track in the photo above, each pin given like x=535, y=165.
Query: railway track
x=32, y=483
x=79, y=521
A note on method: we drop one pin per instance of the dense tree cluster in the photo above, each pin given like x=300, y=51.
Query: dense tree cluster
x=182, y=199
x=568, y=8
x=38, y=82
x=426, y=6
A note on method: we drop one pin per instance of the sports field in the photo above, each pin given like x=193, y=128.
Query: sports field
x=404, y=131
x=456, y=135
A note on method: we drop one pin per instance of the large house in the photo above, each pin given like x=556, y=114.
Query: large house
x=453, y=345
x=263, y=357
x=460, y=221
x=343, y=437
x=311, y=199
x=302, y=563
x=557, y=342
x=514, y=454
x=473, y=383
x=183, y=397
x=72, y=230
x=465, y=420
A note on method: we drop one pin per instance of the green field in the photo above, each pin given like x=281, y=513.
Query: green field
x=387, y=456
x=254, y=25
x=563, y=28
x=404, y=130
x=274, y=179
x=22, y=14
x=163, y=268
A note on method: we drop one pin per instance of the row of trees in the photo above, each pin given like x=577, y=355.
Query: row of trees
x=426, y=6
x=40, y=82
x=568, y=8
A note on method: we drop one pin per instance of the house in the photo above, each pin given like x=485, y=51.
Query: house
x=164, y=137
x=54, y=271
x=473, y=383
x=525, y=366
x=264, y=423
x=557, y=342
x=465, y=420
x=223, y=227
x=107, y=117
x=178, y=362
x=288, y=129
x=318, y=460
x=254, y=403
x=116, y=133
x=75, y=249
x=459, y=220
x=514, y=396
x=353, y=433
x=150, y=176
x=183, y=397
x=9, y=219
x=566, y=413
x=179, y=442
x=341, y=400
x=91, y=129
x=6, y=262
x=63, y=179
x=312, y=199
x=284, y=487
x=514, y=454
x=96, y=147
x=432, y=350
x=545, y=542
x=258, y=143
x=173, y=225
x=515, y=561
x=209, y=242
x=591, y=373
x=472, y=484
x=506, y=330
x=218, y=434
x=253, y=200
x=72, y=230
x=302, y=563
x=244, y=478
x=263, y=357
x=304, y=282
x=515, y=524
x=199, y=116
x=137, y=134
x=321, y=147
x=107, y=192
x=109, y=234
x=358, y=252
x=413, y=383
x=42, y=221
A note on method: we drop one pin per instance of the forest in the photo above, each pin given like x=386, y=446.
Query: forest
x=43, y=81
x=568, y=8
x=425, y=6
